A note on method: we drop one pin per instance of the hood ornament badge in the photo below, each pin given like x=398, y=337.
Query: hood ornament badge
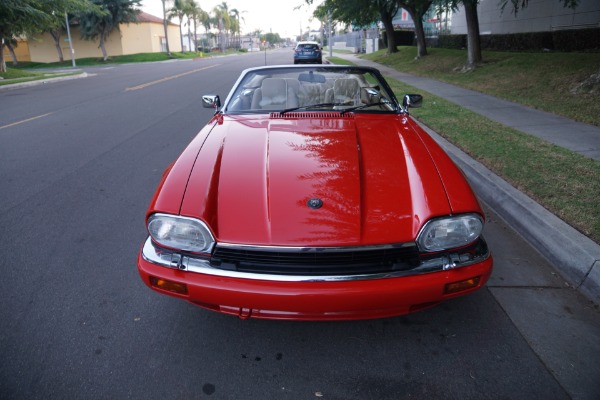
x=315, y=203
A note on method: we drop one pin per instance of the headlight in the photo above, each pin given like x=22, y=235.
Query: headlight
x=449, y=232
x=180, y=233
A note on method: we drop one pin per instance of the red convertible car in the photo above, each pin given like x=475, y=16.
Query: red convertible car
x=312, y=195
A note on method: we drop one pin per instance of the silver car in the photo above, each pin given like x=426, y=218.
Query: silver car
x=308, y=52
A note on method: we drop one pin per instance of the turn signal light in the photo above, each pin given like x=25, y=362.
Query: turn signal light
x=169, y=286
x=459, y=286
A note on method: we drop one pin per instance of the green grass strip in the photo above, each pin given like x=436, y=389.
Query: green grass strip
x=561, y=83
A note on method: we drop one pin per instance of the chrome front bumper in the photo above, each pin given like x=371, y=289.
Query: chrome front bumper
x=187, y=262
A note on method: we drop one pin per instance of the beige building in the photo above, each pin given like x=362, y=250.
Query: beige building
x=147, y=36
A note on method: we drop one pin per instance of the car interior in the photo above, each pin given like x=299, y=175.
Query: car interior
x=289, y=91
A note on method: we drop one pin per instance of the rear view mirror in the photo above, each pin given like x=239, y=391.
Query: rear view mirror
x=312, y=78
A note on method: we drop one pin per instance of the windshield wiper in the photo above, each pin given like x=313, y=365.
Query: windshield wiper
x=380, y=103
x=307, y=107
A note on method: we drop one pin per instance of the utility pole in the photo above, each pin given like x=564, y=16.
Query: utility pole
x=70, y=41
x=329, y=40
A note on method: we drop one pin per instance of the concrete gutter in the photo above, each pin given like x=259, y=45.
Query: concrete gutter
x=574, y=255
x=43, y=81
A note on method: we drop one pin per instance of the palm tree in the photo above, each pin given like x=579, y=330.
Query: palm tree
x=192, y=12
x=235, y=24
x=178, y=11
x=205, y=20
x=224, y=20
x=165, y=27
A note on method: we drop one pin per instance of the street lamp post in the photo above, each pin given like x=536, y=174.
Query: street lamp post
x=330, y=44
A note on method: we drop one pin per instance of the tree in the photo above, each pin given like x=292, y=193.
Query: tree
x=178, y=11
x=19, y=17
x=114, y=12
x=205, y=20
x=222, y=17
x=10, y=43
x=193, y=12
x=235, y=24
x=272, y=38
x=361, y=13
x=474, y=55
x=56, y=10
x=417, y=10
x=322, y=15
x=387, y=10
x=165, y=23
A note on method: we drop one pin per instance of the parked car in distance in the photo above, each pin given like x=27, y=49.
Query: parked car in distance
x=308, y=52
x=312, y=194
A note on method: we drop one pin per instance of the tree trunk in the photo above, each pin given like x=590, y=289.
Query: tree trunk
x=56, y=36
x=2, y=63
x=189, y=34
x=195, y=36
x=473, y=41
x=165, y=26
x=420, y=33
x=392, y=47
x=102, y=47
x=12, y=53
x=181, y=32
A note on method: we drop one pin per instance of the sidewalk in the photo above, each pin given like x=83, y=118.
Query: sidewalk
x=573, y=254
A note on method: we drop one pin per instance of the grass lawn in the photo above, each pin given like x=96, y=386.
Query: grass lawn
x=546, y=81
x=23, y=71
x=18, y=76
x=126, y=59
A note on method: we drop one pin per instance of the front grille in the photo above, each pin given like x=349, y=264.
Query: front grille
x=316, y=261
x=311, y=115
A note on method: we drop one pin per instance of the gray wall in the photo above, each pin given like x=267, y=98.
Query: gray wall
x=540, y=15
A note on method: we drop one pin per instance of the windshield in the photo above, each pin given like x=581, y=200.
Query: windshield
x=307, y=46
x=315, y=88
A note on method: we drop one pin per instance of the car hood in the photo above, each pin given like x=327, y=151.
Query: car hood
x=253, y=177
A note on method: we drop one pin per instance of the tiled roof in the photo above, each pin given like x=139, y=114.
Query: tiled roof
x=145, y=17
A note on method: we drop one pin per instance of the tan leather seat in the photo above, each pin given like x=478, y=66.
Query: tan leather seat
x=346, y=91
x=275, y=94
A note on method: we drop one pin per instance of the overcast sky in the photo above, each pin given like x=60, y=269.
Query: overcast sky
x=276, y=16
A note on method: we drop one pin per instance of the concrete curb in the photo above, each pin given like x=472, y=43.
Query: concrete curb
x=42, y=81
x=575, y=256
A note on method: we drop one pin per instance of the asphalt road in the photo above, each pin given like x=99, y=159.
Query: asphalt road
x=79, y=162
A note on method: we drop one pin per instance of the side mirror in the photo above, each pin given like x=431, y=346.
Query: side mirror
x=211, y=101
x=412, y=101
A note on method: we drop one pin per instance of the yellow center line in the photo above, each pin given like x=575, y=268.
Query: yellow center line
x=25, y=120
x=168, y=78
